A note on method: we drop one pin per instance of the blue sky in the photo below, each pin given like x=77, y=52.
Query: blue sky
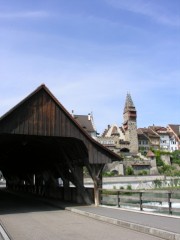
x=91, y=53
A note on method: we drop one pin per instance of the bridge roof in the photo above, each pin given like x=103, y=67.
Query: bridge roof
x=40, y=122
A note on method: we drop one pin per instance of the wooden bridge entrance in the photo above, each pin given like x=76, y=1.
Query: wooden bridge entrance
x=41, y=142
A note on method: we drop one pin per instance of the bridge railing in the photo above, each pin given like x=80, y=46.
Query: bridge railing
x=162, y=201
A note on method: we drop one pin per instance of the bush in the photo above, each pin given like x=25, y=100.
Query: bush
x=108, y=174
x=167, y=170
x=175, y=157
x=158, y=154
x=159, y=161
x=129, y=187
x=129, y=171
x=142, y=173
x=157, y=183
x=176, y=173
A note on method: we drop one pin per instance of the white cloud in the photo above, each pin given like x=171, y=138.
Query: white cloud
x=26, y=14
x=149, y=8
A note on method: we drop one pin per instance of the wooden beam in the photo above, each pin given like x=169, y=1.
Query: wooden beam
x=76, y=180
x=95, y=171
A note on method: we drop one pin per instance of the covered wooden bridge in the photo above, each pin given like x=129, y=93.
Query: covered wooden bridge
x=41, y=142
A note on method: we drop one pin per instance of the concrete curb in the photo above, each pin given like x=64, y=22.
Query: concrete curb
x=3, y=234
x=133, y=226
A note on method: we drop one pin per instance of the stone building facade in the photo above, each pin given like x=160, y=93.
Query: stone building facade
x=123, y=138
x=130, y=124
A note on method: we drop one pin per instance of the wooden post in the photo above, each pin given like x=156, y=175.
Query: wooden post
x=95, y=170
x=100, y=196
x=96, y=193
x=118, y=199
x=34, y=179
x=140, y=201
x=97, y=185
x=71, y=173
x=78, y=171
x=169, y=203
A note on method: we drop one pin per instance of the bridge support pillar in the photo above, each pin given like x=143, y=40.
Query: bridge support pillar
x=78, y=171
x=95, y=171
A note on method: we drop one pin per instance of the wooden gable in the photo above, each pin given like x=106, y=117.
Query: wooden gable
x=41, y=114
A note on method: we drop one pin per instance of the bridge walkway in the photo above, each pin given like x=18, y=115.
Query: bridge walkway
x=157, y=225
x=160, y=225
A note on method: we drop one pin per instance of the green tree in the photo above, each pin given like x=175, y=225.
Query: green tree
x=175, y=157
x=129, y=171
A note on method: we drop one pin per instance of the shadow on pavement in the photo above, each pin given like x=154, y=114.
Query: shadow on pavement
x=11, y=202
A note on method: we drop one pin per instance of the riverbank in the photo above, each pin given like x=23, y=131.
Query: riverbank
x=136, y=182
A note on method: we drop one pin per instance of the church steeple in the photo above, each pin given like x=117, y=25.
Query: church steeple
x=129, y=109
x=129, y=125
x=129, y=105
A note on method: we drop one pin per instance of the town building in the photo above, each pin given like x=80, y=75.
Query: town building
x=148, y=139
x=174, y=130
x=128, y=139
x=134, y=144
x=87, y=123
x=122, y=139
x=159, y=138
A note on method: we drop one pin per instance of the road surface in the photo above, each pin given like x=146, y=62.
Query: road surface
x=30, y=219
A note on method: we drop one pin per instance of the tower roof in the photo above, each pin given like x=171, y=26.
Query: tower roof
x=150, y=154
x=129, y=105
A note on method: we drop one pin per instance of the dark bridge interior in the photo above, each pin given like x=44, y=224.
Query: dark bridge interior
x=24, y=155
x=37, y=162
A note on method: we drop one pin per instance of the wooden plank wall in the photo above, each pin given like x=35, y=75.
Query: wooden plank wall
x=41, y=115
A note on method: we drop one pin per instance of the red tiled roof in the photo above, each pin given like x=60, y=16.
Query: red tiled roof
x=175, y=128
x=150, y=154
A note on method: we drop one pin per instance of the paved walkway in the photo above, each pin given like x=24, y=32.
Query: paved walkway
x=164, y=226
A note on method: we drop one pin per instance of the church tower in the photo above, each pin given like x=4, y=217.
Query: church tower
x=130, y=125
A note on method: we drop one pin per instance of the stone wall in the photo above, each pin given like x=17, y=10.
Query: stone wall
x=166, y=159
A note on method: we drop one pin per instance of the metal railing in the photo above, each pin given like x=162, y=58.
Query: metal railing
x=164, y=201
